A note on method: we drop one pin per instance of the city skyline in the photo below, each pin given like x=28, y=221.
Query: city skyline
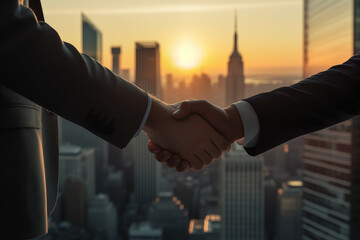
x=300, y=189
x=205, y=28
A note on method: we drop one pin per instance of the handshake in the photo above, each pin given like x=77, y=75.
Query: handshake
x=191, y=134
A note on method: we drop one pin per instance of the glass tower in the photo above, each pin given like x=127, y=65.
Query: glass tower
x=242, y=196
x=91, y=39
x=146, y=168
x=331, y=156
x=147, y=69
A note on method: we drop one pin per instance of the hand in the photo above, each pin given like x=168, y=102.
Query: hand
x=226, y=121
x=191, y=137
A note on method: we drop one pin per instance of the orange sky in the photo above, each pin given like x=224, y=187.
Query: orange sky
x=270, y=32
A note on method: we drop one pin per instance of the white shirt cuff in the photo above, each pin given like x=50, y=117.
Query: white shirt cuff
x=146, y=115
x=250, y=122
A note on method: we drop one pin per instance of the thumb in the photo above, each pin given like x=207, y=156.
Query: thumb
x=182, y=111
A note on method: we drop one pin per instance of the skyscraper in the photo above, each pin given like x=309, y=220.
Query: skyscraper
x=144, y=231
x=331, y=160
x=116, y=51
x=102, y=216
x=242, y=197
x=235, y=82
x=79, y=163
x=146, y=168
x=205, y=229
x=74, y=134
x=115, y=157
x=74, y=202
x=270, y=206
x=289, y=214
x=168, y=213
x=91, y=39
x=200, y=86
x=146, y=173
x=147, y=72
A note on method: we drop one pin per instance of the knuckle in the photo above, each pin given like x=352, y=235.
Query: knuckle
x=157, y=157
x=197, y=167
x=184, y=104
x=224, y=146
x=171, y=163
x=208, y=162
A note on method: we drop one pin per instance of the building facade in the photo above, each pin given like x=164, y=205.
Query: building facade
x=144, y=231
x=91, y=39
x=74, y=202
x=243, y=213
x=78, y=163
x=235, y=81
x=168, y=212
x=289, y=211
x=146, y=168
x=331, y=156
x=102, y=217
x=147, y=72
x=146, y=173
x=116, y=51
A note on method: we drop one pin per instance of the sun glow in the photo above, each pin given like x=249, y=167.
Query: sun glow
x=186, y=55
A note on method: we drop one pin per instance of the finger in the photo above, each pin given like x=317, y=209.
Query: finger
x=153, y=147
x=213, y=150
x=173, y=161
x=201, y=107
x=163, y=156
x=184, y=166
x=175, y=105
x=183, y=110
x=220, y=142
x=196, y=163
x=229, y=148
x=205, y=157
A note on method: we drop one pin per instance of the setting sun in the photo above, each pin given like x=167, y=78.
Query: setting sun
x=187, y=55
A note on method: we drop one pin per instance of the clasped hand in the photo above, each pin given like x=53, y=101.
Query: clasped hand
x=190, y=135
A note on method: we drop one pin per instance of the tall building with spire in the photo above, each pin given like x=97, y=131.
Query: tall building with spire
x=235, y=82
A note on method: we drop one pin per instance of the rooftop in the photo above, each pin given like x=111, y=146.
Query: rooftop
x=69, y=150
x=144, y=229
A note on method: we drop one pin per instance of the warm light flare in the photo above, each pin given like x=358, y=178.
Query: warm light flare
x=187, y=55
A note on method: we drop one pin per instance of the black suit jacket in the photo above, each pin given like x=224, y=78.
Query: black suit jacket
x=42, y=76
x=315, y=103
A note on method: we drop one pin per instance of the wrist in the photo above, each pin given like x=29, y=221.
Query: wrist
x=158, y=113
x=235, y=122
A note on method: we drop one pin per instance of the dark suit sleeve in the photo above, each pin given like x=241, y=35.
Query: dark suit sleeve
x=53, y=74
x=315, y=103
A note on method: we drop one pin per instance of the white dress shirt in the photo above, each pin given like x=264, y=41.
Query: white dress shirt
x=145, y=117
x=250, y=122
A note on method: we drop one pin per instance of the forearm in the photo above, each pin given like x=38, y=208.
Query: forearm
x=56, y=76
x=315, y=103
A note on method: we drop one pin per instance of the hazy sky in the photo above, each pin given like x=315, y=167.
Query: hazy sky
x=269, y=31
